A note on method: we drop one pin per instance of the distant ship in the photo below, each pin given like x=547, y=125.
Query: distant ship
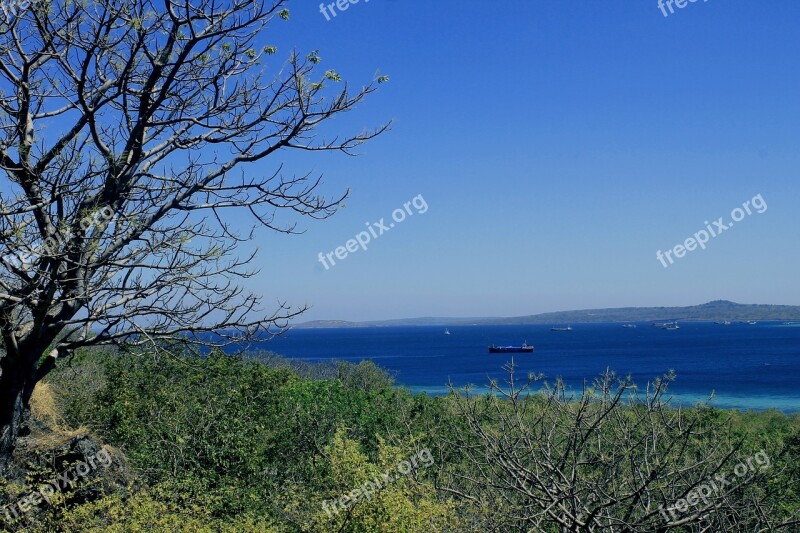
x=568, y=328
x=752, y=322
x=446, y=331
x=628, y=325
x=525, y=348
x=667, y=325
x=724, y=323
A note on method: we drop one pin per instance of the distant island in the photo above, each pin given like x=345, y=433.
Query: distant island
x=718, y=310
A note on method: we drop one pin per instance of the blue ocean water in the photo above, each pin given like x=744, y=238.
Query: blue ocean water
x=745, y=366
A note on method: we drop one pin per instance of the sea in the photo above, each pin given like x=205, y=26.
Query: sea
x=737, y=366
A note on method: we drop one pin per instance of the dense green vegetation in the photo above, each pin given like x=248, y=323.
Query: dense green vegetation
x=261, y=444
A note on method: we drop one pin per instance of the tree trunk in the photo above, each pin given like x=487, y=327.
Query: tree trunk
x=14, y=382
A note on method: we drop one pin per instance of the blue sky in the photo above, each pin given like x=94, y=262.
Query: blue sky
x=558, y=146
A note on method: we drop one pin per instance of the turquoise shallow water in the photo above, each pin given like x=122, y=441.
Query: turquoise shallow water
x=787, y=404
x=746, y=366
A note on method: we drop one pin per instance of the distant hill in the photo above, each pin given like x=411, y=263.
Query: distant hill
x=716, y=310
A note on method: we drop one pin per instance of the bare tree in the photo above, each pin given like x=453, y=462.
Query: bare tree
x=608, y=459
x=128, y=130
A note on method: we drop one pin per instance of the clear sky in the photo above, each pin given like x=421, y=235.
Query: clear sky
x=558, y=146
